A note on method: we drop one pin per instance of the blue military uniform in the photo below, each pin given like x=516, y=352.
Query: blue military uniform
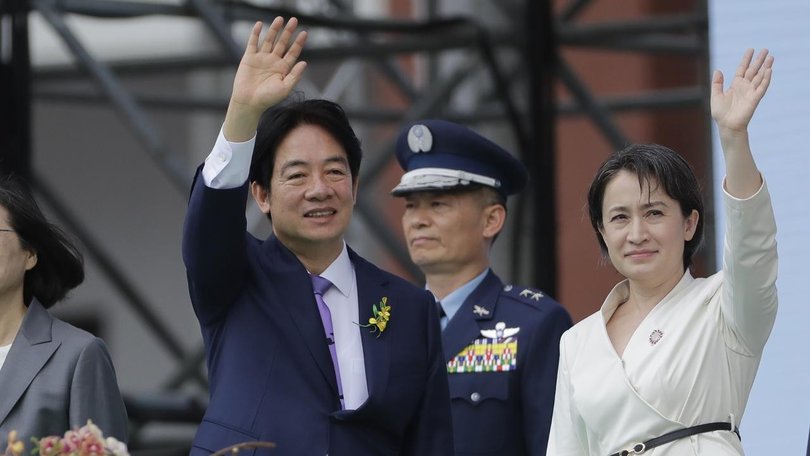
x=502, y=385
x=501, y=347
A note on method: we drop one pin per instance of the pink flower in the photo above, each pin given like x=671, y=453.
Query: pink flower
x=49, y=446
x=91, y=446
x=87, y=440
x=90, y=430
x=71, y=442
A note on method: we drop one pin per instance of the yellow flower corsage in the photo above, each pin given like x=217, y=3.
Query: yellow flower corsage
x=382, y=313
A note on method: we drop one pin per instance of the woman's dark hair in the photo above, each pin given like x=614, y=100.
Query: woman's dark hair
x=651, y=163
x=60, y=266
x=276, y=123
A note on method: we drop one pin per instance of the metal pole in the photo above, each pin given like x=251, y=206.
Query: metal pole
x=122, y=100
x=541, y=58
x=596, y=111
x=15, y=89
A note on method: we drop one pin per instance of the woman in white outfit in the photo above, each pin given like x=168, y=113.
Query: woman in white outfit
x=666, y=365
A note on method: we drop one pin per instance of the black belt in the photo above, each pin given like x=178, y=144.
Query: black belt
x=640, y=448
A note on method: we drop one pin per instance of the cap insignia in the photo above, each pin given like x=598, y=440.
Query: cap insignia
x=420, y=139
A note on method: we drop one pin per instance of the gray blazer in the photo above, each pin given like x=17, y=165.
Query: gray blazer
x=55, y=378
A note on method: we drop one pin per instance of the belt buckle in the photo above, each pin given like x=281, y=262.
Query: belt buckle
x=638, y=448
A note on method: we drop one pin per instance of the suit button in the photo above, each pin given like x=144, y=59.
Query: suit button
x=475, y=397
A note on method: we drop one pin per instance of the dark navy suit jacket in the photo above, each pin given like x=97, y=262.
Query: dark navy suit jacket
x=270, y=372
x=505, y=413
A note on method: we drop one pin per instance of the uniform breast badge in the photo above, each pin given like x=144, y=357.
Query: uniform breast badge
x=656, y=336
x=495, y=352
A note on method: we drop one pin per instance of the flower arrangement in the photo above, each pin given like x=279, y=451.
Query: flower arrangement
x=382, y=313
x=87, y=440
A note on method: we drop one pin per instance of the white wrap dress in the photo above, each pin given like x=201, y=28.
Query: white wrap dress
x=691, y=361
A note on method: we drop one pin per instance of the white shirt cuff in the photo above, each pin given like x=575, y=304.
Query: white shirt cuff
x=228, y=164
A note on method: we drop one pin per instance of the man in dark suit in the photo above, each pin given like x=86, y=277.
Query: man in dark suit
x=501, y=342
x=308, y=345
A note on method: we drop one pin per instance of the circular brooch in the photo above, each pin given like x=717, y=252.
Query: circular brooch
x=655, y=336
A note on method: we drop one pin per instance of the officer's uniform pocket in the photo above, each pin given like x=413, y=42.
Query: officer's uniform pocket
x=481, y=412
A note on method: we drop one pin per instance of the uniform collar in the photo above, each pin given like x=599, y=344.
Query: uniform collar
x=453, y=301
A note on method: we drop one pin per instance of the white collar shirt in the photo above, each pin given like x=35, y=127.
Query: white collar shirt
x=4, y=354
x=341, y=298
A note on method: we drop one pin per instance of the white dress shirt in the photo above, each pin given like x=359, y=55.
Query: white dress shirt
x=3, y=354
x=228, y=166
x=691, y=361
x=341, y=298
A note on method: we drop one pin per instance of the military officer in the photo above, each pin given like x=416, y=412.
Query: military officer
x=501, y=342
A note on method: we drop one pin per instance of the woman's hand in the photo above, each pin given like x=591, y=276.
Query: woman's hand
x=732, y=109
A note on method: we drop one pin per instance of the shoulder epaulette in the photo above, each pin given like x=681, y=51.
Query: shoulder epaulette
x=523, y=294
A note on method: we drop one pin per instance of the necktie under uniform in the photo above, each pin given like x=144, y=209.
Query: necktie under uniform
x=442, y=315
x=320, y=285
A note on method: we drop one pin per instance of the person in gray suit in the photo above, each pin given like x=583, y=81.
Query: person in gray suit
x=53, y=376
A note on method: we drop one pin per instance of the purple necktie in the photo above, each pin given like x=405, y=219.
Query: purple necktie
x=320, y=285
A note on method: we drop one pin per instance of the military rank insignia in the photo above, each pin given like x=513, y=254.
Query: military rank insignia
x=495, y=352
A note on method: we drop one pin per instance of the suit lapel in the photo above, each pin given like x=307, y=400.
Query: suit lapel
x=371, y=287
x=465, y=326
x=300, y=303
x=31, y=349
